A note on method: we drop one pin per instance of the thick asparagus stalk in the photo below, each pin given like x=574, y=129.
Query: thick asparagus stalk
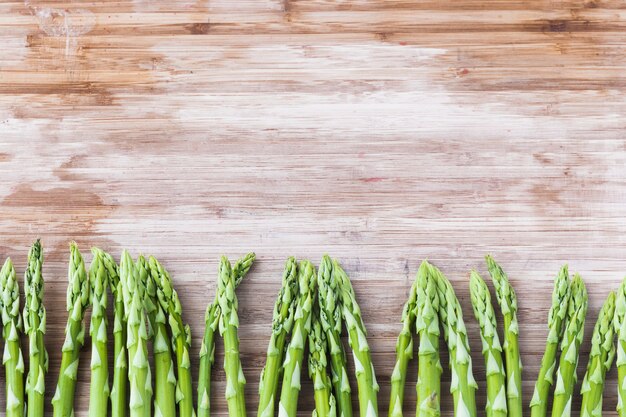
x=619, y=324
x=207, y=349
x=364, y=368
x=164, y=378
x=556, y=316
x=317, y=364
x=281, y=327
x=99, y=388
x=35, y=327
x=288, y=405
x=77, y=303
x=119, y=390
x=463, y=386
x=330, y=317
x=570, y=345
x=427, y=328
x=181, y=336
x=137, y=338
x=600, y=359
x=404, y=353
x=513, y=361
x=11, y=330
x=492, y=350
x=228, y=325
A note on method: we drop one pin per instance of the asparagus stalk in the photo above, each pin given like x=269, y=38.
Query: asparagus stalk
x=427, y=328
x=600, y=359
x=330, y=317
x=181, y=336
x=288, y=404
x=228, y=325
x=164, y=378
x=281, y=326
x=492, y=350
x=513, y=361
x=463, y=386
x=99, y=388
x=139, y=376
x=11, y=329
x=619, y=324
x=207, y=349
x=119, y=390
x=556, y=316
x=35, y=326
x=77, y=303
x=317, y=363
x=404, y=353
x=570, y=345
x=364, y=368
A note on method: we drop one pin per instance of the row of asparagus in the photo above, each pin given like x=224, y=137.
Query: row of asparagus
x=432, y=299
x=312, y=312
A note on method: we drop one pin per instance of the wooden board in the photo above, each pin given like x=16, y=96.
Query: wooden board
x=381, y=132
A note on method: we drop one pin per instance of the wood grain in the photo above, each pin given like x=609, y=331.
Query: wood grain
x=381, y=132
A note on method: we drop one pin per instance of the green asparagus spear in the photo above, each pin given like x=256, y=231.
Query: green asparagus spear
x=228, y=325
x=139, y=376
x=99, y=388
x=512, y=359
x=11, y=330
x=288, y=404
x=77, y=303
x=164, y=378
x=364, y=368
x=463, y=385
x=281, y=327
x=570, y=345
x=35, y=326
x=317, y=364
x=492, y=350
x=427, y=328
x=330, y=317
x=556, y=316
x=404, y=353
x=207, y=349
x=619, y=324
x=181, y=336
x=119, y=390
x=600, y=359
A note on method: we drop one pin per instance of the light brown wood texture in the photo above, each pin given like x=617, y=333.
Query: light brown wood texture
x=382, y=132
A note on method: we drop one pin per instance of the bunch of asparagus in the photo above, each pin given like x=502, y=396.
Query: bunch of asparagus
x=314, y=308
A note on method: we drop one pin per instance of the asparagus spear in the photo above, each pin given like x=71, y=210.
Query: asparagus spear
x=99, y=388
x=619, y=324
x=281, y=326
x=181, y=336
x=427, y=327
x=570, y=345
x=330, y=317
x=288, y=404
x=556, y=316
x=139, y=376
x=119, y=390
x=404, y=353
x=228, y=325
x=600, y=359
x=364, y=368
x=513, y=361
x=463, y=386
x=492, y=350
x=77, y=303
x=164, y=378
x=11, y=329
x=207, y=349
x=324, y=399
x=35, y=326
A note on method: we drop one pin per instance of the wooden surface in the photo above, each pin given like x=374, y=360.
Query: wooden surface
x=381, y=132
